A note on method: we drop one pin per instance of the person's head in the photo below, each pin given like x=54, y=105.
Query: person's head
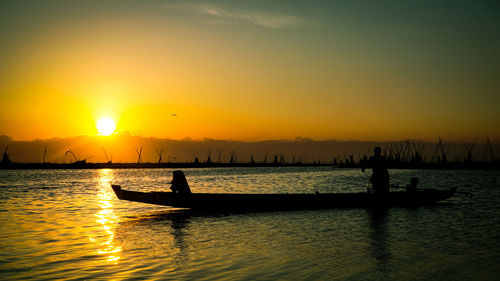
x=377, y=150
x=178, y=176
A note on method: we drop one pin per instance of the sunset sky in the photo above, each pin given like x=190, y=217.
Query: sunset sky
x=251, y=70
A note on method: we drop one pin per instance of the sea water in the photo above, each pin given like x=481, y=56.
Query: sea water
x=69, y=225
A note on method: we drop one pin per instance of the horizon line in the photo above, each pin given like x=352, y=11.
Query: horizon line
x=296, y=139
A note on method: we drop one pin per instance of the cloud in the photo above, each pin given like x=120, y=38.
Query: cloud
x=256, y=17
x=260, y=18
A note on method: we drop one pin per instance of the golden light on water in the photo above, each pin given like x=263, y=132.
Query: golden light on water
x=106, y=126
x=107, y=218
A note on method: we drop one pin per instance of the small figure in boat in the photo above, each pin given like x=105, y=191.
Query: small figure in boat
x=380, y=174
x=412, y=187
x=179, y=183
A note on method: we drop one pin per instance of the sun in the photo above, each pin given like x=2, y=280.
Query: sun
x=106, y=126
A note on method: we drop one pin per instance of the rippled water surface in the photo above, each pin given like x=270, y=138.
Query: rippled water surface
x=68, y=224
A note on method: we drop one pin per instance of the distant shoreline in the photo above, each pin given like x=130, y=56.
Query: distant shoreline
x=413, y=166
x=27, y=166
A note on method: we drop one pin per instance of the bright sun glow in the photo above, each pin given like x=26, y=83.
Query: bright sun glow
x=106, y=126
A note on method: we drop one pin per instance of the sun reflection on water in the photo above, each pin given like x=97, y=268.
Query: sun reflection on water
x=107, y=218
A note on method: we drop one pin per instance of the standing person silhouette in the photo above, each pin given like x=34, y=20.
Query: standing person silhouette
x=380, y=175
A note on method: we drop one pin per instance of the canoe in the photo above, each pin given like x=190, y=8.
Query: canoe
x=255, y=202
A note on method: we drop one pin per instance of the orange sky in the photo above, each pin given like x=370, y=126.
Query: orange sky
x=249, y=71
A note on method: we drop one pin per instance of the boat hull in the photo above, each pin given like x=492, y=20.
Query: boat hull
x=251, y=202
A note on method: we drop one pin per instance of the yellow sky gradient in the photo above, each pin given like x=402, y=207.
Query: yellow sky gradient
x=228, y=76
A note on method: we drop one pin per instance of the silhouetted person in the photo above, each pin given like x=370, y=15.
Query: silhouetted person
x=179, y=183
x=380, y=175
x=412, y=187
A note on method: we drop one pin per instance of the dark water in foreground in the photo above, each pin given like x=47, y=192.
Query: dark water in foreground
x=67, y=224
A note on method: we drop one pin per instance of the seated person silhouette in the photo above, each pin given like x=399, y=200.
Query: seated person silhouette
x=412, y=187
x=179, y=183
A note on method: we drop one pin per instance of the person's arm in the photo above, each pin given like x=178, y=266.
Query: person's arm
x=367, y=164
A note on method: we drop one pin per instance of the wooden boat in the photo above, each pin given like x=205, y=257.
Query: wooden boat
x=255, y=202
